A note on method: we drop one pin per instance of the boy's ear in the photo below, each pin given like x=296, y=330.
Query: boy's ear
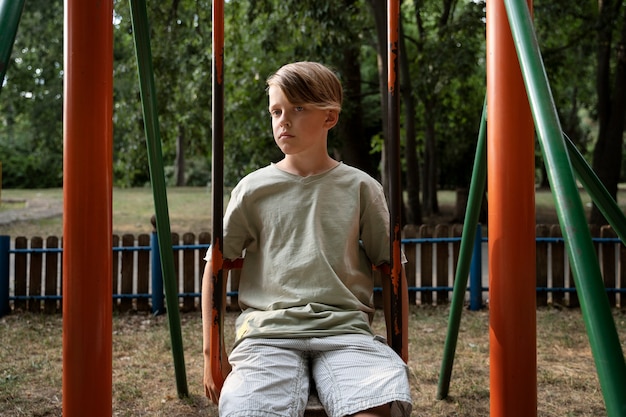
x=332, y=117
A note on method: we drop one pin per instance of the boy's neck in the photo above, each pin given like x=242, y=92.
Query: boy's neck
x=304, y=167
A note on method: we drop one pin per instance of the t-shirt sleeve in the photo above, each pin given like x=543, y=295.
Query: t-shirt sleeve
x=375, y=226
x=237, y=233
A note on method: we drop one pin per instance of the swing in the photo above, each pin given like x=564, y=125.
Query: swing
x=395, y=294
x=395, y=307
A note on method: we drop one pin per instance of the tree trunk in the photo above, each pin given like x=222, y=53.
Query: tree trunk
x=414, y=208
x=607, y=155
x=180, y=158
x=355, y=148
x=430, y=202
x=379, y=9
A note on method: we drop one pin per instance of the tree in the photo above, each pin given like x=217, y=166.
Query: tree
x=442, y=74
x=563, y=29
x=262, y=36
x=611, y=90
x=413, y=207
x=31, y=135
x=179, y=33
x=449, y=74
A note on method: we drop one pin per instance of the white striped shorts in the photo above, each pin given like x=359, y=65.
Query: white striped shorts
x=352, y=373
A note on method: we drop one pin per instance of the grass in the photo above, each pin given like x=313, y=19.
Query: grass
x=143, y=373
x=144, y=380
x=190, y=209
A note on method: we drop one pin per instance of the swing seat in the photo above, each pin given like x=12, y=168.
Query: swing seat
x=314, y=407
x=395, y=306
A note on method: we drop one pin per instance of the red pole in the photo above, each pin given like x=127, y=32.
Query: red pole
x=219, y=275
x=87, y=208
x=512, y=334
x=399, y=297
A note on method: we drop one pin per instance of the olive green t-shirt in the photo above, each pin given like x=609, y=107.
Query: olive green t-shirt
x=309, y=245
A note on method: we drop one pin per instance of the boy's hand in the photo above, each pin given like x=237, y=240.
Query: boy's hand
x=212, y=340
x=211, y=388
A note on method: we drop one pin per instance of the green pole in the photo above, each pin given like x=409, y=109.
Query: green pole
x=597, y=191
x=10, y=14
x=476, y=191
x=139, y=16
x=601, y=330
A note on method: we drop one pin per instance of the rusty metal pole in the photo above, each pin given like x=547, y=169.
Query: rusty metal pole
x=217, y=181
x=399, y=329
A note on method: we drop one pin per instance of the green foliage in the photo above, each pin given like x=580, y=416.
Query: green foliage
x=31, y=136
x=446, y=66
x=261, y=37
x=448, y=75
x=564, y=31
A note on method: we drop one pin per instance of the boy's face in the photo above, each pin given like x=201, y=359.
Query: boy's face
x=298, y=128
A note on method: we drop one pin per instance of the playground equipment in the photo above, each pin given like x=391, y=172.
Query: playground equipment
x=601, y=330
x=87, y=195
x=139, y=17
x=87, y=343
x=10, y=15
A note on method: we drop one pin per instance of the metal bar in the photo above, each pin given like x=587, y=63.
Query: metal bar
x=87, y=195
x=10, y=15
x=217, y=196
x=476, y=273
x=601, y=330
x=511, y=190
x=141, y=34
x=157, y=277
x=470, y=226
x=5, y=245
x=236, y=293
x=597, y=191
x=399, y=329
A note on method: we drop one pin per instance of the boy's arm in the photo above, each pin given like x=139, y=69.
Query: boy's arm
x=213, y=347
x=403, y=298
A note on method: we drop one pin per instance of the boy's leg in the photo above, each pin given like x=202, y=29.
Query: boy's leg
x=382, y=411
x=358, y=374
x=269, y=377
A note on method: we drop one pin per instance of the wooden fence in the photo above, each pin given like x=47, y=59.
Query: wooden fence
x=33, y=277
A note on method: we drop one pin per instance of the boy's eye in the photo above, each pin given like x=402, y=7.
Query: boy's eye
x=298, y=108
x=275, y=113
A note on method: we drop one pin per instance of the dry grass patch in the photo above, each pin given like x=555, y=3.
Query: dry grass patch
x=144, y=379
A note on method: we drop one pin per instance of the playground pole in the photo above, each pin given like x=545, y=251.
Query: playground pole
x=399, y=329
x=468, y=240
x=87, y=209
x=10, y=14
x=217, y=196
x=139, y=17
x=596, y=190
x=5, y=246
x=603, y=337
x=510, y=151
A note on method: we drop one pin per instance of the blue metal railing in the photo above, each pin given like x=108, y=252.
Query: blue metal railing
x=475, y=288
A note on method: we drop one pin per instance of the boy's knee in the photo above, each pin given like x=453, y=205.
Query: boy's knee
x=381, y=411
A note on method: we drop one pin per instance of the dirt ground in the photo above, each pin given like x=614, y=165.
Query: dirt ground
x=31, y=365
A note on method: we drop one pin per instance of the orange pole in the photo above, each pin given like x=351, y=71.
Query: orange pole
x=510, y=150
x=87, y=208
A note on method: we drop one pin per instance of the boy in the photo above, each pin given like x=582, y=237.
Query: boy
x=311, y=228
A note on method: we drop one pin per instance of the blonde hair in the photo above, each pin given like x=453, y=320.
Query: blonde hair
x=309, y=83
